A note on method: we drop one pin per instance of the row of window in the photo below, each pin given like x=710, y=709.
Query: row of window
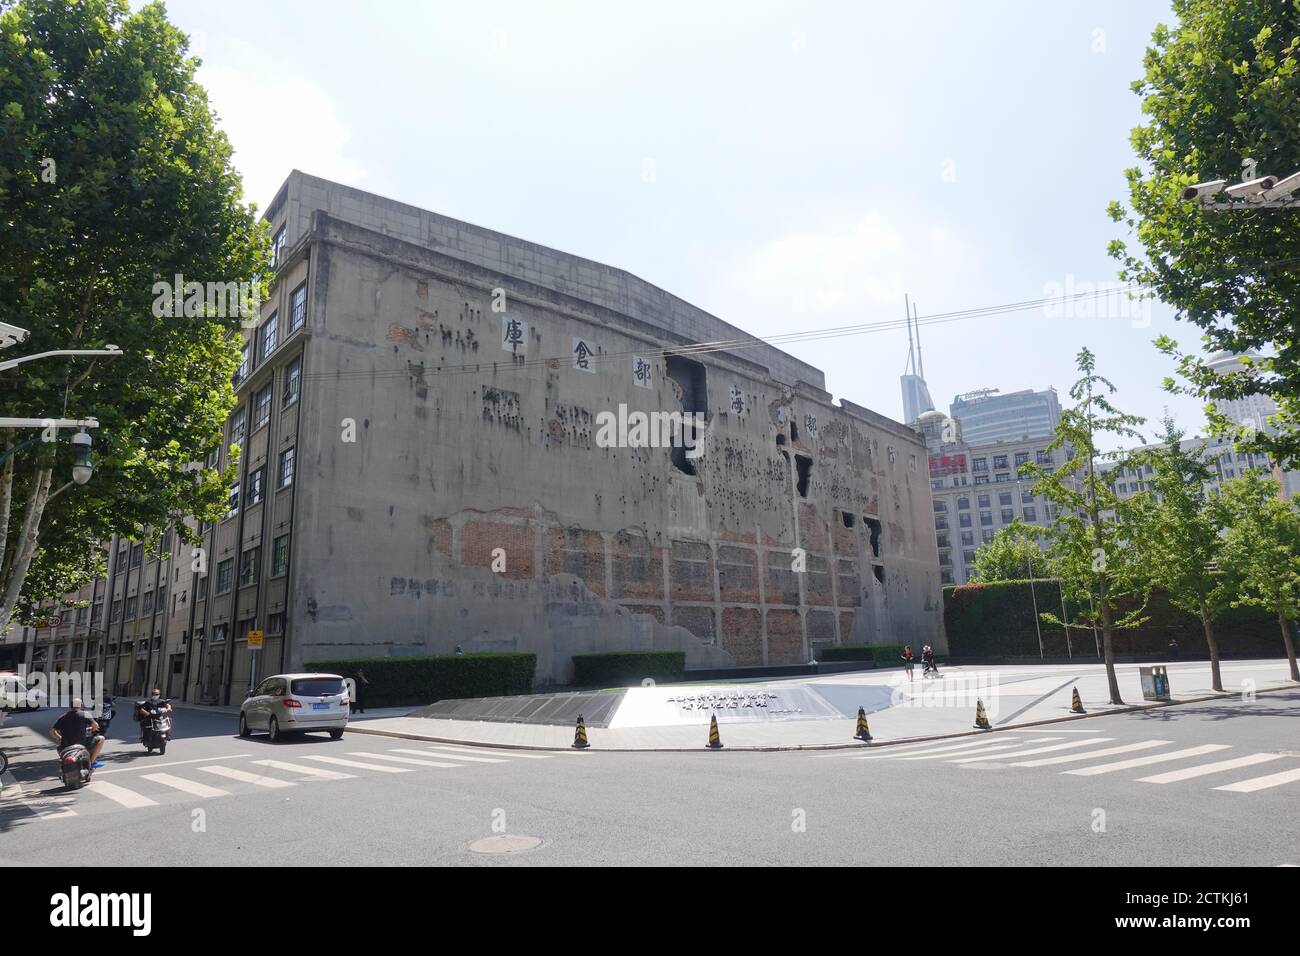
x=250, y=562
x=266, y=340
x=255, y=489
x=261, y=403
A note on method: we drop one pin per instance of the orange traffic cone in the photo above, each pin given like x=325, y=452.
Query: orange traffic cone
x=981, y=718
x=715, y=739
x=580, y=735
x=864, y=732
x=1076, y=703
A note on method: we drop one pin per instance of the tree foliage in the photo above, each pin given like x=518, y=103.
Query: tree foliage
x=1012, y=555
x=1222, y=88
x=113, y=176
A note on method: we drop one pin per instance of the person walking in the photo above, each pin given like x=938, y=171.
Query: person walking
x=908, y=660
x=358, y=681
x=1172, y=649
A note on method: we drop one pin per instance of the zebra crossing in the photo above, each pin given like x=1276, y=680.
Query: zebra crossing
x=1093, y=756
x=211, y=778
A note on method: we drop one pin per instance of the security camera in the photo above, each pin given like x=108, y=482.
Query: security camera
x=1251, y=188
x=1202, y=190
x=11, y=335
x=1284, y=188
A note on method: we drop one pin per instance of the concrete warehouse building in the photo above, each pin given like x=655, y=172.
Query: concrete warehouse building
x=424, y=466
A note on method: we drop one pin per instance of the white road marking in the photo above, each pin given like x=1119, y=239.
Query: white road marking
x=243, y=776
x=945, y=754
x=13, y=795
x=410, y=760
x=187, y=786
x=456, y=755
x=933, y=746
x=1143, y=761
x=1207, y=768
x=121, y=795
x=172, y=763
x=524, y=754
x=1038, y=750
x=1262, y=783
x=1106, y=752
x=357, y=763
x=298, y=768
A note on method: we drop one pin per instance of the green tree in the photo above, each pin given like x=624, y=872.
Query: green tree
x=1261, y=551
x=113, y=177
x=1090, y=536
x=1178, y=531
x=1221, y=88
x=1012, y=555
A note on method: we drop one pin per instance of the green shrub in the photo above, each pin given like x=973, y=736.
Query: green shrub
x=403, y=681
x=620, y=667
x=996, y=620
x=882, y=654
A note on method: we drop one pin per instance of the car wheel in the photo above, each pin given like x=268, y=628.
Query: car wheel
x=243, y=727
x=336, y=735
x=273, y=728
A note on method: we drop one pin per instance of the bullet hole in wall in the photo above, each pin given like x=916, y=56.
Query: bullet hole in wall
x=804, y=466
x=794, y=431
x=849, y=519
x=879, y=573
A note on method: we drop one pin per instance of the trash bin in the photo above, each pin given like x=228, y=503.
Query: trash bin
x=1155, y=683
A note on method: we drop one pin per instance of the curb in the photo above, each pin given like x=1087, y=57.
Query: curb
x=854, y=745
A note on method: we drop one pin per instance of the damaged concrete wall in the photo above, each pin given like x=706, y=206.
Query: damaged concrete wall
x=477, y=506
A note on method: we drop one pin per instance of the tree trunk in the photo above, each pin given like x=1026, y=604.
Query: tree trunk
x=25, y=546
x=1216, y=680
x=1290, y=644
x=1108, y=646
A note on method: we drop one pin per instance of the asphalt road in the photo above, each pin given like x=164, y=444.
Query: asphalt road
x=211, y=801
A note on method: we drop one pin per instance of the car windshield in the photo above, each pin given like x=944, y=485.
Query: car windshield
x=316, y=686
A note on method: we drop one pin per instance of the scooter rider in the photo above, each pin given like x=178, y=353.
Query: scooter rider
x=74, y=727
x=153, y=704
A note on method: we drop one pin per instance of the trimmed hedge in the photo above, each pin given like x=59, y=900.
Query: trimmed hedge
x=885, y=655
x=403, y=681
x=619, y=667
x=996, y=620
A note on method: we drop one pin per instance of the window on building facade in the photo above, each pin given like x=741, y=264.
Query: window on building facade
x=981, y=479
x=298, y=308
x=942, y=540
x=1004, y=498
x=237, y=421
x=968, y=538
x=1008, y=516
x=277, y=247
x=940, y=522
x=945, y=576
x=261, y=407
x=1027, y=497
x=986, y=536
x=1022, y=458
x=241, y=373
x=1031, y=513
x=1002, y=477
x=963, y=503
x=292, y=381
x=999, y=461
x=983, y=501
x=115, y=614
x=82, y=614
x=201, y=588
x=248, y=565
x=280, y=556
x=256, y=486
x=97, y=613
x=1043, y=457
x=965, y=520
x=275, y=623
x=137, y=555
x=225, y=575
x=268, y=337
x=130, y=608
x=986, y=518
x=968, y=558
x=234, y=501
x=146, y=605
x=980, y=464
x=286, y=468
x=941, y=506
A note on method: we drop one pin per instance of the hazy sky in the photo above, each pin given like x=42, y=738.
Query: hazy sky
x=786, y=166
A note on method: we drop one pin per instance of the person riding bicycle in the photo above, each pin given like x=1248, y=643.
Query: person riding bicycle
x=928, y=665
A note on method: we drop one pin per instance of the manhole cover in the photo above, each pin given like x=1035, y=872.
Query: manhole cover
x=506, y=844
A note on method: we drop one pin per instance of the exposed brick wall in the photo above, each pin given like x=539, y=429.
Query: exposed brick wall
x=638, y=567
x=817, y=581
x=812, y=528
x=479, y=538
x=691, y=571
x=784, y=637
x=700, y=621
x=653, y=610
x=850, y=583
x=439, y=535
x=742, y=634
x=738, y=574
x=846, y=539
x=782, y=584
x=579, y=552
x=821, y=628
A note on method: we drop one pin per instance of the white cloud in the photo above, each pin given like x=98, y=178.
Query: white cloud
x=836, y=273
x=253, y=99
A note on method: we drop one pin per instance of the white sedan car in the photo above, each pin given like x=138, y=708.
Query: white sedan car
x=296, y=703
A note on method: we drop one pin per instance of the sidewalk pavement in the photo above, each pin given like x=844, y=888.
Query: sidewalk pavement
x=1013, y=696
